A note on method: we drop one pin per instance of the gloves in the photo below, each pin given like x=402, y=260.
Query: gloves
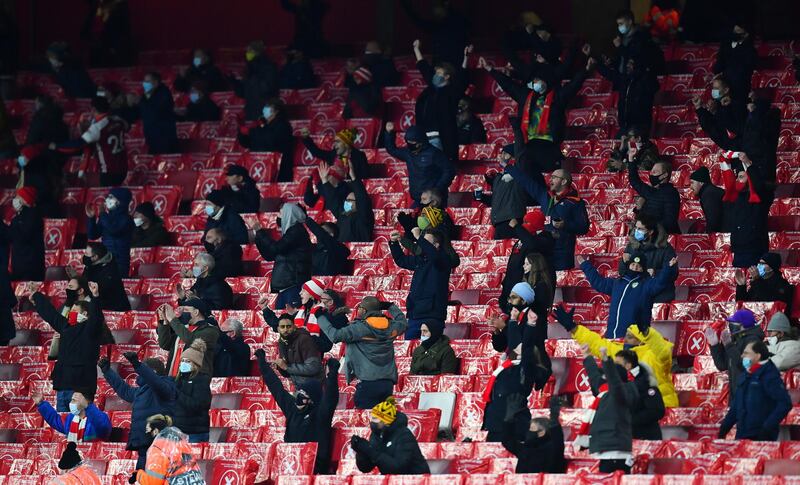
x=131, y=357
x=385, y=305
x=261, y=355
x=406, y=221
x=359, y=445
x=555, y=407
x=132, y=478
x=333, y=366
x=643, y=327
x=566, y=319
x=104, y=364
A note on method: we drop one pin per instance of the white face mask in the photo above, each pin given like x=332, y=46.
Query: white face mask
x=22, y=161
x=185, y=367
x=138, y=221
x=82, y=318
x=16, y=203
x=111, y=203
x=74, y=409
x=772, y=341
x=235, y=188
x=423, y=338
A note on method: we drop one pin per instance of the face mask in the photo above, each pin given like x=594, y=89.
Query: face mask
x=267, y=111
x=623, y=29
x=185, y=318
x=249, y=55
x=194, y=97
x=235, y=188
x=197, y=61
x=715, y=94
x=86, y=260
x=520, y=306
x=734, y=327
x=746, y=363
x=138, y=221
x=538, y=87
x=82, y=318
x=22, y=161
x=348, y=206
x=438, y=80
x=197, y=271
x=530, y=84
x=72, y=318
x=423, y=222
x=185, y=367
x=423, y=338
x=655, y=180
x=375, y=427
x=17, y=204
x=100, y=94
x=72, y=295
x=74, y=409
x=55, y=63
x=772, y=341
x=210, y=210
x=111, y=204
x=762, y=269
x=639, y=235
x=532, y=438
x=147, y=86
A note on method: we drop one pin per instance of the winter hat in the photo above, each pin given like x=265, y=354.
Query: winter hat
x=31, y=151
x=701, y=175
x=639, y=258
x=195, y=352
x=362, y=75
x=370, y=304
x=217, y=197
x=414, y=134
x=434, y=215
x=533, y=221
x=436, y=328
x=347, y=136
x=236, y=170
x=197, y=303
x=146, y=209
x=524, y=290
x=314, y=287
x=70, y=458
x=773, y=260
x=385, y=411
x=27, y=194
x=779, y=323
x=743, y=317
x=313, y=388
x=123, y=195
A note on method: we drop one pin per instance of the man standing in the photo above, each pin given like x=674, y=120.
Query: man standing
x=84, y=422
x=300, y=357
x=176, y=333
x=710, y=197
x=233, y=353
x=662, y=201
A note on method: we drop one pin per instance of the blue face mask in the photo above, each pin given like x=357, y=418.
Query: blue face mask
x=715, y=94
x=538, y=86
x=267, y=111
x=348, y=206
x=194, y=97
x=197, y=271
x=197, y=61
x=148, y=86
x=185, y=367
x=746, y=363
x=210, y=210
x=623, y=29
x=639, y=235
x=22, y=161
x=438, y=80
x=762, y=269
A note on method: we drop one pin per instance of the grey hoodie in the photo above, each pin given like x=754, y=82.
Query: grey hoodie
x=291, y=214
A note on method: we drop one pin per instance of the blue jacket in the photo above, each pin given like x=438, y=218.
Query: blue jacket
x=116, y=228
x=98, y=424
x=570, y=208
x=759, y=405
x=154, y=395
x=427, y=297
x=428, y=169
x=631, y=296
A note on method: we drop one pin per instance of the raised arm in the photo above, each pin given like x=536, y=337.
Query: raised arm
x=636, y=181
x=400, y=259
x=535, y=188
x=47, y=311
x=282, y=397
x=601, y=284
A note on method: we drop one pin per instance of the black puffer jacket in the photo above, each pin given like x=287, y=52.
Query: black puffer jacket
x=193, y=400
x=394, y=451
x=611, y=426
x=259, y=84
x=649, y=409
x=292, y=256
x=662, y=203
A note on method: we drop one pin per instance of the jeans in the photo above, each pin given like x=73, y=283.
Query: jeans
x=370, y=393
x=63, y=397
x=610, y=466
x=198, y=438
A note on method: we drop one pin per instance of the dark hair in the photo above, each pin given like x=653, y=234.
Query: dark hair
x=285, y=316
x=543, y=423
x=333, y=227
x=83, y=305
x=649, y=222
x=447, y=68
x=154, y=74
x=101, y=105
x=628, y=356
x=624, y=14
x=87, y=393
x=97, y=248
x=83, y=284
x=157, y=365
x=761, y=349
x=275, y=103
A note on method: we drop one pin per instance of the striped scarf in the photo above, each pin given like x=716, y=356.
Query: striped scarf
x=76, y=429
x=309, y=322
x=487, y=393
x=582, y=440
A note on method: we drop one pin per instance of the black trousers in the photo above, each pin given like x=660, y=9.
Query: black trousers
x=610, y=466
x=370, y=393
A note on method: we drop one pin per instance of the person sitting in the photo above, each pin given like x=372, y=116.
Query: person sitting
x=299, y=355
x=193, y=396
x=470, y=127
x=202, y=70
x=391, y=447
x=201, y=108
x=329, y=256
x=649, y=409
x=710, y=197
x=297, y=73
x=26, y=235
x=177, y=333
x=99, y=268
x=221, y=216
x=542, y=449
x=115, y=226
x=728, y=345
x=766, y=283
x=272, y=133
x=662, y=201
x=227, y=254
x=242, y=194
x=434, y=355
x=233, y=353
x=208, y=286
x=157, y=111
x=84, y=422
x=150, y=230
x=649, y=239
x=782, y=343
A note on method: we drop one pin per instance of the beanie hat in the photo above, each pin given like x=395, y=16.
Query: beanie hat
x=236, y=170
x=773, y=260
x=533, y=221
x=314, y=287
x=385, y=411
x=524, y=290
x=639, y=258
x=347, y=136
x=195, y=352
x=70, y=458
x=362, y=75
x=146, y=209
x=27, y=194
x=743, y=317
x=434, y=215
x=414, y=134
x=701, y=175
x=779, y=323
x=370, y=304
x=313, y=388
x=217, y=197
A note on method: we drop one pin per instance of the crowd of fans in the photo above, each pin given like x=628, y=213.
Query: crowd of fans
x=632, y=384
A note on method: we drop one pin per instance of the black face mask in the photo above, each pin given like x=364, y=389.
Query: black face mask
x=520, y=306
x=655, y=181
x=278, y=221
x=374, y=427
x=185, y=318
x=210, y=248
x=532, y=438
x=72, y=295
x=87, y=260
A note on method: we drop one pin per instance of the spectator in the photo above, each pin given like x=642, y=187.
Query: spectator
x=308, y=413
x=82, y=424
x=68, y=72
x=637, y=88
x=608, y=431
x=662, y=201
x=736, y=60
x=649, y=409
x=260, y=82
x=747, y=199
x=560, y=203
x=306, y=317
x=710, y=197
x=542, y=42
x=158, y=115
x=391, y=447
x=766, y=283
x=105, y=139
x=634, y=42
x=79, y=335
x=649, y=239
x=384, y=73
x=201, y=108
x=226, y=253
x=193, y=396
x=470, y=127
x=369, y=354
x=723, y=115
x=308, y=31
x=354, y=216
x=26, y=235
x=728, y=345
x=242, y=194
x=663, y=19
x=539, y=275
x=649, y=346
x=542, y=449
x=291, y=253
x=170, y=457
x=221, y=216
x=297, y=73
x=644, y=152
x=330, y=187
x=99, y=267
x=233, y=353
x=154, y=394
x=762, y=401
x=447, y=27
x=78, y=290
x=47, y=125
x=299, y=355
x=72, y=470
x=427, y=166
x=542, y=103
x=115, y=226
x=272, y=133
x=43, y=171
x=176, y=333
x=209, y=286
x=507, y=199
x=434, y=355
x=632, y=293
x=348, y=160
x=427, y=297
x=149, y=229
x=329, y=256
x=781, y=343
x=202, y=70
x=363, y=96
x=108, y=30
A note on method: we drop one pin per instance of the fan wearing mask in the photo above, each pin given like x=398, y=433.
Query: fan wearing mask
x=26, y=234
x=222, y=216
x=84, y=422
x=177, y=333
x=766, y=282
x=193, y=397
x=434, y=355
x=115, y=225
x=308, y=413
x=648, y=238
x=99, y=267
x=782, y=343
x=737, y=58
x=209, y=287
x=226, y=253
x=507, y=199
x=747, y=200
x=727, y=345
x=271, y=132
x=542, y=449
x=662, y=200
x=149, y=231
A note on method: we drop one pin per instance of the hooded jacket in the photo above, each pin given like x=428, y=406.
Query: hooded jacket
x=112, y=294
x=440, y=358
x=729, y=357
x=649, y=409
x=657, y=254
x=662, y=203
x=632, y=296
x=26, y=232
x=369, y=355
x=759, y=405
x=192, y=403
x=394, y=451
x=302, y=357
x=427, y=297
x=291, y=253
x=710, y=197
x=611, y=428
x=429, y=168
x=116, y=229
x=231, y=223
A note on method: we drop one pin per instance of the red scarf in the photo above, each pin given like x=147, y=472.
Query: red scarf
x=76, y=429
x=733, y=188
x=487, y=393
x=544, y=119
x=582, y=439
x=72, y=318
x=309, y=322
x=754, y=367
x=176, y=359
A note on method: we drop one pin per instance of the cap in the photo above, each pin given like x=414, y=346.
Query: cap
x=743, y=317
x=533, y=221
x=414, y=134
x=701, y=175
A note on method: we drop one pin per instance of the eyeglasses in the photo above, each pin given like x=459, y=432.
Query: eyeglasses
x=350, y=200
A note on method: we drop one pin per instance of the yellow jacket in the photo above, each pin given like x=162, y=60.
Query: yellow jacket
x=655, y=351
